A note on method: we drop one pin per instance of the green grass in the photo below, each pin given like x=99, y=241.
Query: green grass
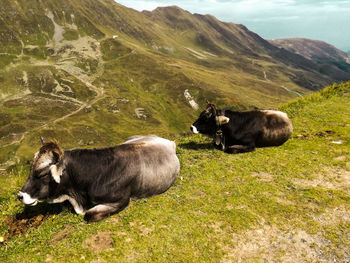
x=219, y=202
x=221, y=198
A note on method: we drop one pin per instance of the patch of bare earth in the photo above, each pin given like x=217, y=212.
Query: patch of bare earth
x=334, y=216
x=98, y=260
x=264, y=177
x=268, y=178
x=330, y=178
x=100, y=242
x=270, y=244
x=340, y=158
x=19, y=225
x=63, y=234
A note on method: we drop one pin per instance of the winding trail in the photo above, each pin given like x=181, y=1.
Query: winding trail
x=283, y=87
x=292, y=91
x=66, y=64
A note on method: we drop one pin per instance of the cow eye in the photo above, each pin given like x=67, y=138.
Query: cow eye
x=42, y=173
x=206, y=116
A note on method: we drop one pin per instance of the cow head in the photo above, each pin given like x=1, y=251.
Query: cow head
x=208, y=122
x=45, y=174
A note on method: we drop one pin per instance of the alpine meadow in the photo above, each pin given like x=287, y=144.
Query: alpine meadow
x=91, y=73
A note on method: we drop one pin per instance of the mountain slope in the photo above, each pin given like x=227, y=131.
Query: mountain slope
x=92, y=72
x=318, y=51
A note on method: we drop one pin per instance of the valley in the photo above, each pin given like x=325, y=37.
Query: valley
x=91, y=73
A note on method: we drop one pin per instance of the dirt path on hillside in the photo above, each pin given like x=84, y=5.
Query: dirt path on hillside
x=281, y=86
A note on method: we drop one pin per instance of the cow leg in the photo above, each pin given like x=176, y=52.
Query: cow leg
x=101, y=211
x=240, y=149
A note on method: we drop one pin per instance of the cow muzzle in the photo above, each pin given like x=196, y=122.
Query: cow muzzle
x=194, y=129
x=27, y=199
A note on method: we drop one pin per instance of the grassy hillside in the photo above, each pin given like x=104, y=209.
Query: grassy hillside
x=283, y=204
x=92, y=72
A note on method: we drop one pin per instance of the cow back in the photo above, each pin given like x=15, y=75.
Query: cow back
x=157, y=164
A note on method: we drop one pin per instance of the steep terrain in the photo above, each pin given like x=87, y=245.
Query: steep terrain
x=279, y=204
x=320, y=52
x=92, y=72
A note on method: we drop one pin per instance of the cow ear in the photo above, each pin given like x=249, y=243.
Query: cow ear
x=56, y=157
x=221, y=120
x=56, y=173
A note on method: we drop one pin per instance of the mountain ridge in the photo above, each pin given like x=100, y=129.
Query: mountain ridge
x=90, y=73
x=318, y=51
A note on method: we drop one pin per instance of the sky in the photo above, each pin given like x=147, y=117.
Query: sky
x=328, y=21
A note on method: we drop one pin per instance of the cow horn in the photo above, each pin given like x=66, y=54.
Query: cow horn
x=221, y=120
x=42, y=140
x=212, y=107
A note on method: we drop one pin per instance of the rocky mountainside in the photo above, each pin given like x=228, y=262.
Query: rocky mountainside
x=92, y=72
x=320, y=52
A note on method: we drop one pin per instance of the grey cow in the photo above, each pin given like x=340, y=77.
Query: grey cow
x=101, y=182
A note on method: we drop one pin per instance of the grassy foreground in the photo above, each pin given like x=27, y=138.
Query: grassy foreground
x=282, y=204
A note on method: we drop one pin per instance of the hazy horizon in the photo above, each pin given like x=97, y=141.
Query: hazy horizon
x=319, y=20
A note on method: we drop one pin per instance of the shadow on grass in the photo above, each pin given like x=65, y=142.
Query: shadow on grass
x=196, y=146
x=41, y=209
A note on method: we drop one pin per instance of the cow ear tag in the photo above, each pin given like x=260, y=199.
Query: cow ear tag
x=218, y=137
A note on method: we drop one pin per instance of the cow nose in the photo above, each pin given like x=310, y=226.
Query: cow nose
x=194, y=129
x=20, y=196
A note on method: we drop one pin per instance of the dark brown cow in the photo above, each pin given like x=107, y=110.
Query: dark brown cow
x=242, y=131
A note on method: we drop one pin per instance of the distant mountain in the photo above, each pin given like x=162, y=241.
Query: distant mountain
x=237, y=43
x=320, y=52
x=92, y=72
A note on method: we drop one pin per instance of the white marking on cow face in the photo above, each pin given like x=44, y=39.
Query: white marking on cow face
x=27, y=199
x=44, y=161
x=194, y=129
x=77, y=208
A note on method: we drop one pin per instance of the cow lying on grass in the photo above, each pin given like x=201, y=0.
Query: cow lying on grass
x=242, y=131
x=100, y=182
